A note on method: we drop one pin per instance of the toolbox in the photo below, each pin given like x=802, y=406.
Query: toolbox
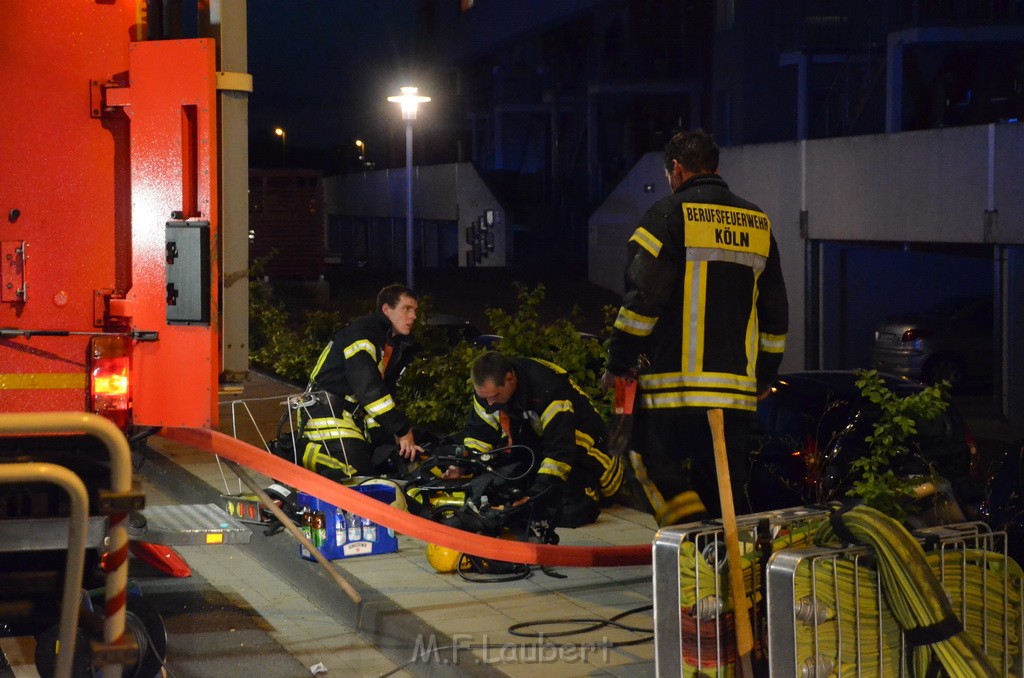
x=345, y=534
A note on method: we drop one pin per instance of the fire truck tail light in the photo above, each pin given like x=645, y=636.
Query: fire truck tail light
x=109, y=388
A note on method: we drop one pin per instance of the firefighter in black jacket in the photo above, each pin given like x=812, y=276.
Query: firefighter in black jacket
x=706, y=306
x=534, y=403
x=358, y=370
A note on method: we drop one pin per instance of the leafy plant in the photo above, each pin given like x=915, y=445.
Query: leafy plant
x=877, y=481
x=274, y=344
x=436, y=391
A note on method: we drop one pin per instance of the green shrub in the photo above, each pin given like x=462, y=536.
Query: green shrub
x=876, y=482
x=435, y=390
x=273, y=343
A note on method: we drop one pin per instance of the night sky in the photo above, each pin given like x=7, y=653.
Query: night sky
x=323, y=72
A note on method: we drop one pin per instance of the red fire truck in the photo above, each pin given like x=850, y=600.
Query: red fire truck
x=111, y=252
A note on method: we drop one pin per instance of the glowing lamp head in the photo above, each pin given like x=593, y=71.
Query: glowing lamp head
x=409, y=100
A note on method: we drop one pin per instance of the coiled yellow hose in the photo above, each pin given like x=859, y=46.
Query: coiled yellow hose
x=852, y=610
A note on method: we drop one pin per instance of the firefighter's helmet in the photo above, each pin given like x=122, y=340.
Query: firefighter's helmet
x=444, y=559
x=399, y=501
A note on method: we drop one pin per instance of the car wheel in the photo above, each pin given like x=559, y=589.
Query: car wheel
x=944, y=368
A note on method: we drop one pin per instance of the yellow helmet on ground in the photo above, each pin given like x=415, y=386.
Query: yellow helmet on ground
x=444, y=559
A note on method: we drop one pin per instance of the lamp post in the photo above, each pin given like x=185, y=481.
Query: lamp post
x=362, y=149
x=409, y=100
x=284, y=139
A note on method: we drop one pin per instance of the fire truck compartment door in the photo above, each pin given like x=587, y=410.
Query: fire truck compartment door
x=171, y=106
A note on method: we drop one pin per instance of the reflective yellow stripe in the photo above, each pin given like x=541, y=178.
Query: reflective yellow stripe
x=677, y=508
x=554, y=409
x=381, y=405
x=650, y=489
x=584, y=441
x=611, y=477
x=678, y=380
x=477, y=445
x=320, y=361
x=312, y=457
x=734, y=401
x=333, y=434
x=693, y=315
x=748, y=259
x=644, y=238
x=327, y=422
x=332, y=428
x=551, y=366
x=43, y=380
x=360, y=345
x=555, y=468
x=751, y=337
x=772, y=343
x=489, y=417
x=634, y=323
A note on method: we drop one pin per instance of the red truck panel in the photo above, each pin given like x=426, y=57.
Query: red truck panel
x=103, y=139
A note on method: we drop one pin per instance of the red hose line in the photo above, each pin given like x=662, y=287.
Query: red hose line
x=405, y=523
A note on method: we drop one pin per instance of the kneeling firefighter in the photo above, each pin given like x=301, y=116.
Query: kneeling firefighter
x=534, y=404
x=356, y=414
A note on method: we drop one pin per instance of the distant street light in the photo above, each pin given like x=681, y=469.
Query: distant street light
x=409, y=100
x=284, y=139
x=362, y=149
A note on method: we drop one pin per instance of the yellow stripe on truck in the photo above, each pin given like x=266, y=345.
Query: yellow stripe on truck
x=42, y=380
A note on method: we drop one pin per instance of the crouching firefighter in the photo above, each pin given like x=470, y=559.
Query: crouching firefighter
x=534, y=403
x=354, y=412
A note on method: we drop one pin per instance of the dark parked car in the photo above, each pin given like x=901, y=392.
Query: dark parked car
x=813, y=425
x=951, y=341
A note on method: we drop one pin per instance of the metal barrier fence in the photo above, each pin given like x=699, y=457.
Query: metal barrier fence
x=828, y=616
x=816, y=611
x=693, y=627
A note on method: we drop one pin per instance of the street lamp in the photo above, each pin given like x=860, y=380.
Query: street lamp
x=362, y=149
x=409, y=100
x=284, y=138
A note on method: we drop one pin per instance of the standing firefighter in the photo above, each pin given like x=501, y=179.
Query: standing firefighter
x=706, y=303
x=358, y=370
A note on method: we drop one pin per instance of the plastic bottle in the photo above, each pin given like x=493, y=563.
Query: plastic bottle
x=369, y=530
x=339, y=527
x=355, y=532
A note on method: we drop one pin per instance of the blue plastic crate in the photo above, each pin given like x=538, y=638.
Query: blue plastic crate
x=349, y=535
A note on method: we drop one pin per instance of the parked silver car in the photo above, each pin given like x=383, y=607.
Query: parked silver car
x=951, y=341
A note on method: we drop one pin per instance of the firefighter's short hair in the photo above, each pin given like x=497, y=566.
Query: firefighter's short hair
x=392, y=293
x=490, y=367
x=696, y=151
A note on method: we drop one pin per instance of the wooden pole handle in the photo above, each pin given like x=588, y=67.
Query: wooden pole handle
x=744, y=635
